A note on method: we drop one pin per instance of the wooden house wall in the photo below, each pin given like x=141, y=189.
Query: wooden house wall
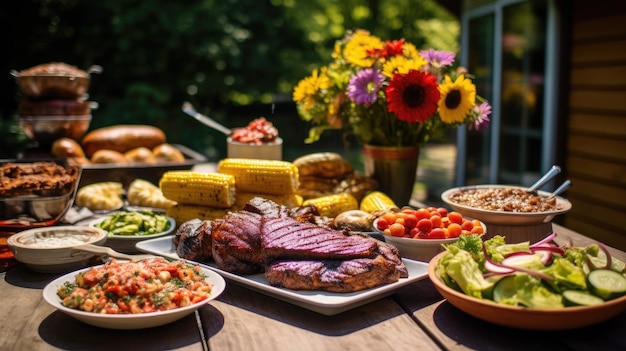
x=596, y=123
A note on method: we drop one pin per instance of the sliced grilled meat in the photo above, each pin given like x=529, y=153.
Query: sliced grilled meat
x=340, y=276
x=193, y=240
x=266, y=208
x=287, y=238
x=237, y=243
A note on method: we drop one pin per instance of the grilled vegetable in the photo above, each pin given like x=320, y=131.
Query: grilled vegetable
x=261, y=176
x=183, y=213
x=197, y=188
x=376, y=201
x=333, y=205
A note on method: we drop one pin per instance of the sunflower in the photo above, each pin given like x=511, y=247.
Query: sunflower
x=413, y=96
x=357, y=50
x=457, y=99
x=307, y=88
x=400, y=64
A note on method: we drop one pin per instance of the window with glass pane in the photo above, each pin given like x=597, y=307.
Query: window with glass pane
x=480, y=62
x=522, y=80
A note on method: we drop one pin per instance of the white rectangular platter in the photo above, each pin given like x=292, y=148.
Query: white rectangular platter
x=326, y=303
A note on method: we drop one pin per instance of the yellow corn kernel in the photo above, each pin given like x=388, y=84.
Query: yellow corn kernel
x=183, y=213
x=376, y=201
x=261, y=176
x=289, y=201
x=332, y=205
x=197, y=188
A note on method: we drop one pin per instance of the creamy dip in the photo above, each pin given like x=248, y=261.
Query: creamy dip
x=57, y=239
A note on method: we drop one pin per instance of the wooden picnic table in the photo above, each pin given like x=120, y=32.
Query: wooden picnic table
x=414, y=317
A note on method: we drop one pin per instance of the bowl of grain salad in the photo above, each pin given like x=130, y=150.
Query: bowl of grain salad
x=508, y=210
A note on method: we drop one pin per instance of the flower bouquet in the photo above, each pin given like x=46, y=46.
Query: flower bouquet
x=388, y=93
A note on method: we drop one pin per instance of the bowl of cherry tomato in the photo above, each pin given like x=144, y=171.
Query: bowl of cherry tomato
x=420, y=233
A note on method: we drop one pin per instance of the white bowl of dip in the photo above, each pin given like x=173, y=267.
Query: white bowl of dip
x=50, y=249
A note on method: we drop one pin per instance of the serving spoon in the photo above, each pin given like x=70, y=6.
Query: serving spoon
x=566, y=184
x=544, y=179
x=110, y=252
x=207, y=121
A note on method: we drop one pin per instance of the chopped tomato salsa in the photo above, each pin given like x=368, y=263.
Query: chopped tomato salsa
x=150, y=285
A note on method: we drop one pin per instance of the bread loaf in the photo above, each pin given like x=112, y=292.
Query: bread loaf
x=122, y=138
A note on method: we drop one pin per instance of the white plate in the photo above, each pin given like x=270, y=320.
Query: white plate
x=130, y=321
x=326, y=303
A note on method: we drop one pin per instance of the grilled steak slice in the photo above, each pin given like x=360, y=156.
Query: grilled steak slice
x=339, y=276
x=392, y=254
x=286, y=238
x=266, y=208
x=237, y=243
x=193, y=240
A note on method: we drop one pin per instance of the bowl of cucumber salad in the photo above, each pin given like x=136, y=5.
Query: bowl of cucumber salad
x=127, y=228
x=533, y=286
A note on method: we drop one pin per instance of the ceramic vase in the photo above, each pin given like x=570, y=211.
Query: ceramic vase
x=394, y=168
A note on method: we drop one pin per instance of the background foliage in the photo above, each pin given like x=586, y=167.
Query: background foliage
x=235, y=60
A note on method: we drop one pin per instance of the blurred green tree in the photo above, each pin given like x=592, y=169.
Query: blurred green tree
x=233, y=59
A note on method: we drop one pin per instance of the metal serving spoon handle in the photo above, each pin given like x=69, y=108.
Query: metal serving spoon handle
x=190, y=110
x=545, y=178
x=110, y=252
x=566, y=184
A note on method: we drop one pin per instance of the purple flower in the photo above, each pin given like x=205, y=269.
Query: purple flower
x=363, y=87
x=482, y=116
x=438, y=58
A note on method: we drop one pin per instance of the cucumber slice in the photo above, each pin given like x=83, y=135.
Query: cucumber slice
x=580, y=298
x=504, y=289
x=606, y=283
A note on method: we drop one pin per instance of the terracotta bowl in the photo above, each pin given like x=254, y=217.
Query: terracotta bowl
x=525, y=318
x=515, y=226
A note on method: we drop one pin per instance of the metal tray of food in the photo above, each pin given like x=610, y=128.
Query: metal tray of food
x=125, y=174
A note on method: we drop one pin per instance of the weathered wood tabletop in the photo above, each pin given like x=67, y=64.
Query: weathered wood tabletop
x=415, y=317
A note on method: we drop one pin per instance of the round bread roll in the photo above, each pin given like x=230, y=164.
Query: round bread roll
x=166, y=153
x=108, y=156
x=66, y=147
x=323, y=165
x=122, y=138
x=140, y=155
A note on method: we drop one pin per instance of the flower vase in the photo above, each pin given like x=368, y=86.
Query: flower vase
x=394, y=168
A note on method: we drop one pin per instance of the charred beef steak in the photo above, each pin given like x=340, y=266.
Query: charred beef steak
x=237, y=243
x=339, y=276
x=291, y=249
x=193, y=240
x=286, y=238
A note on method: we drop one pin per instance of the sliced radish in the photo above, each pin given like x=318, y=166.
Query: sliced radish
x=545, y=240
x=500, y=267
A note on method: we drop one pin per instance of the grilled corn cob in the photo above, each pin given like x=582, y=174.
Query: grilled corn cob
x=376, y=201
x=261, y=176
x=183, y=213
x=290, y=201
x=197, y=188
x=332, y=205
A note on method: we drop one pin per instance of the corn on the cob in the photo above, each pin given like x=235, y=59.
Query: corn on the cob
x=332, y=205
x=183, y=213
x=289, y=201
x=261, y=176
x=376, y=201
x=197, y=188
